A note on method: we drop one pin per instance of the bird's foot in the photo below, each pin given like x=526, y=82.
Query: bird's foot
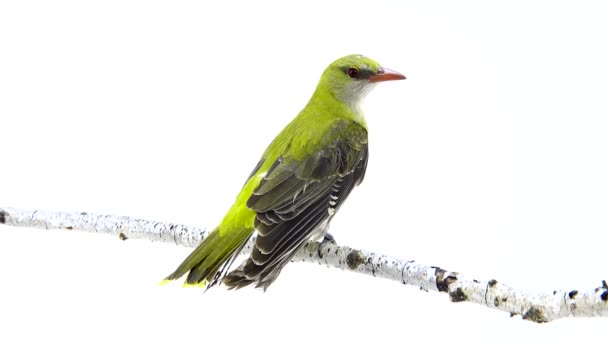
x=329, y=239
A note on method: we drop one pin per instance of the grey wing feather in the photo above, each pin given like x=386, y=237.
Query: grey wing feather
x=292, y=201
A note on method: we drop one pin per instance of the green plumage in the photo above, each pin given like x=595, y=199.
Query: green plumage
x=303, y=177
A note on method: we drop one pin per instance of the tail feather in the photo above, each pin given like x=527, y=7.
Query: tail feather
x=236, y=279
x=239, y=277
x=211, y=258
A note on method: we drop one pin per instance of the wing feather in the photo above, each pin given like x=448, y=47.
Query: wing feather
x=294, y=200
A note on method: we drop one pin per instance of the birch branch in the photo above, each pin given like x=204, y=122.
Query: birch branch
x=540, y=307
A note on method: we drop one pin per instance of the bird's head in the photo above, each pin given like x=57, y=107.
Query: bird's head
x=350, y=78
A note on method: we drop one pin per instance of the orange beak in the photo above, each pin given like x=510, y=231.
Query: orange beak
x=385, y=74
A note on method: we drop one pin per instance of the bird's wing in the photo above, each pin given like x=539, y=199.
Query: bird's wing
x=294, y=199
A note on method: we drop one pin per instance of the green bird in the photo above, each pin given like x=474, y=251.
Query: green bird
x=302, y=179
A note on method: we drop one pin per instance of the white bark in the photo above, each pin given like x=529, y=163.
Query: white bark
x=537, y=307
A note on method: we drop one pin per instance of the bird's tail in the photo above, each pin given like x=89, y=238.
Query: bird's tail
x=212, y=257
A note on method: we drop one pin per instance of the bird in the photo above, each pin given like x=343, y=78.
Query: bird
x=301, y=181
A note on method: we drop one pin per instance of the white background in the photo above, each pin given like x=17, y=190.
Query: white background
x=490, y=159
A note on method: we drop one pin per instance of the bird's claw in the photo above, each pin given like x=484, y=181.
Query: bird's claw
x=328, y=238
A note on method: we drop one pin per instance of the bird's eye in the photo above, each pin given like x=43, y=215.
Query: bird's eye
x=352, y=72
